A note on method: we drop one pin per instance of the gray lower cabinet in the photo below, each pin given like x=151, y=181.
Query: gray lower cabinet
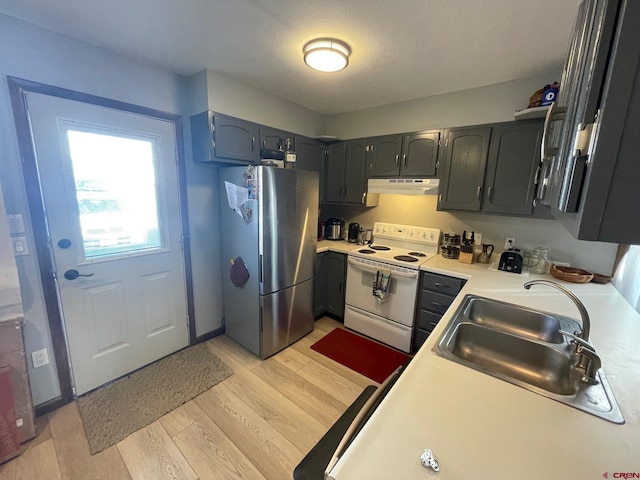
x=320, y=285
x=330, y=282
x=491, y=168
x=310, y=155
x=435, y=296
x=220, y=138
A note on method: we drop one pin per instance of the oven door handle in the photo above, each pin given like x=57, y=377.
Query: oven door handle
x=374, y=270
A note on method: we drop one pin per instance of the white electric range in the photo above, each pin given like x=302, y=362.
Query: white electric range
x=399, y=250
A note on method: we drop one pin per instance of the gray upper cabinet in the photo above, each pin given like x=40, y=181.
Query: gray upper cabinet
x=514, y=156
x=464, y=162
x=355, y=184
x=310, y=155
x=335, y=172
x=420, y=154
x=383, y=155
x=410, y=155
x=217, y=137
x=346, y=179
x=491, y=168
x=274, y=139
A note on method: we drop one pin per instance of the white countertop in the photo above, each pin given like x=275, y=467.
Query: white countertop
x=480, y=427
x=339, y=246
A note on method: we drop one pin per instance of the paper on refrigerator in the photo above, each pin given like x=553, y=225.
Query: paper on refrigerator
x=238, y=200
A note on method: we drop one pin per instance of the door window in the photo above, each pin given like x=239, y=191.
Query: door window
x=115, y=191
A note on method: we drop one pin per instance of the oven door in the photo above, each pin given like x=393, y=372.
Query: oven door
x=403, y=287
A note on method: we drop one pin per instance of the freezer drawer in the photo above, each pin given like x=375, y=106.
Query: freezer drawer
x=383, y=330
x=286, y=317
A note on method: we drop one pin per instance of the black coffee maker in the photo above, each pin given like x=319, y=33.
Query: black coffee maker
x=354, y=231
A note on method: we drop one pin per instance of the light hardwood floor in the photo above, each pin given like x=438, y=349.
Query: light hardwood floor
x=257, y=424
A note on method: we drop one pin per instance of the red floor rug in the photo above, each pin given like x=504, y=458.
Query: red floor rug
x=360, y=354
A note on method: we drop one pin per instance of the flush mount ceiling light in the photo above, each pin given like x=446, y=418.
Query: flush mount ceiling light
x=326, y=54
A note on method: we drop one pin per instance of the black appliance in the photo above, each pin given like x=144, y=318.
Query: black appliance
x=511, y=261
x=354, y=231
x=590, y=145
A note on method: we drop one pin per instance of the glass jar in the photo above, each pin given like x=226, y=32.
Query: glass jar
x=539, y=261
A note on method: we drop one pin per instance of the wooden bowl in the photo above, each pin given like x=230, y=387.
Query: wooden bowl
x=570, y=274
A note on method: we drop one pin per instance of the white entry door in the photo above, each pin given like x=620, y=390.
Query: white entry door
x=111, y=192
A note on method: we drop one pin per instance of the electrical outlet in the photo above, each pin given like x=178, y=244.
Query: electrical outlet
x=478, y=239
x=40, y=358
x=509, y=242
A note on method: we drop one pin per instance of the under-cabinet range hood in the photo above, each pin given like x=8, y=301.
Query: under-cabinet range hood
x=404, y=186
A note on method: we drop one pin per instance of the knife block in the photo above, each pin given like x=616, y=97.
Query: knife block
x=466, y=254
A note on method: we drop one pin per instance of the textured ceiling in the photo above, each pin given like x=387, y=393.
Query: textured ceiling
x=402, y=49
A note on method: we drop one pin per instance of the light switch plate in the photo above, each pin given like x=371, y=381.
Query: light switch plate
x=40, y=358
x=20, y=246
x=16, y=224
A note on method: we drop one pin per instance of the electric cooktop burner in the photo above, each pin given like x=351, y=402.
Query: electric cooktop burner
x=367, y=251
x=379, y=247
x=416, y=254
x=406, y=258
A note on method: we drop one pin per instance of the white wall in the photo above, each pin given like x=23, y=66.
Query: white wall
x=242, y=101
x=494, y=103
x=529, y=232
x=35, y=54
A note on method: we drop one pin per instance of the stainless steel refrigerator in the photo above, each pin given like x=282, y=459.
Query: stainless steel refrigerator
x=269, y=224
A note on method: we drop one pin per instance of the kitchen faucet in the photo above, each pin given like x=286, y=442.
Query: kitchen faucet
x=588, y=361
x=586, y=321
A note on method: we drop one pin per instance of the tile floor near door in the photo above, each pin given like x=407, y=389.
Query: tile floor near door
x=257, y=424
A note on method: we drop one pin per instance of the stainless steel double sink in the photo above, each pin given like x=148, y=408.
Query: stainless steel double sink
x=524, y=347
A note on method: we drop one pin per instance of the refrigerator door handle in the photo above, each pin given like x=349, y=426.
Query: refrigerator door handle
x=260, y=268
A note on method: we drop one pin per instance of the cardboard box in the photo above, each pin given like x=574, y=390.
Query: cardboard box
x=13, y=356
x=9, y=442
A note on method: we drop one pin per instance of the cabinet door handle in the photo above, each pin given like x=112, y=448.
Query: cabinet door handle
x=397, y=160
x=440, y=285
x=404, y=159
x=253, y=144
x=478, y=195
x=340, y=287
x=346, y=190
x=490, y=193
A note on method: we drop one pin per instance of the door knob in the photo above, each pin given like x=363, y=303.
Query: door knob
x=73, y=274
